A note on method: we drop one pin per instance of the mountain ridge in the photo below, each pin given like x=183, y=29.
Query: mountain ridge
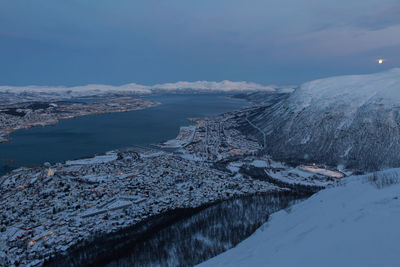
x=352, y=121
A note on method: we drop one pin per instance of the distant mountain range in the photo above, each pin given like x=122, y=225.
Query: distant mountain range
x=57, y=92
x=352, y=121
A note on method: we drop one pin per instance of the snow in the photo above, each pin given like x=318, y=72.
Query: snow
x=111, y=205
x=322, y=171
x=94, y=178
x=234, y=167
x=259, y=163
x=353, y=89
x=174, y=143
x=110, y=156
x=351, y=120
x=356, y=224
x=191, y=157
x=120, y=204
x=152, y=154
x=185, y=136
x=300, y=177
x=99, y=89
x=226, y=86
x=347, y=151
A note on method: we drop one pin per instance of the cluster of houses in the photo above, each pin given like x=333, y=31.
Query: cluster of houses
x=25, y=115
x=46, y=210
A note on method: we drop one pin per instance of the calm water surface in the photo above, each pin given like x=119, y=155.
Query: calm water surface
x=88, y=135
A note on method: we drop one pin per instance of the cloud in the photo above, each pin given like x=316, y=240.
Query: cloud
x=380, y=19
x=347, y=41
x=157, y=41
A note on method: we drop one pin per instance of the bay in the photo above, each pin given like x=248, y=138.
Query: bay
x=89, y=135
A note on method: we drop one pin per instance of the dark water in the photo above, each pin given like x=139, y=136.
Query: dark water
x=88, y=135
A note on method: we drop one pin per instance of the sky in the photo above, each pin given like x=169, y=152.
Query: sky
x=77, y=42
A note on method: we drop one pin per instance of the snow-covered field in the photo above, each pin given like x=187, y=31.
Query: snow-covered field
x=322, y=171
x=355, y=224
x=109, y=156
x=185, y=136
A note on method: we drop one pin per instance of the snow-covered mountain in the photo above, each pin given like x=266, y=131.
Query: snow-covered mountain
x=348, y=120
x=42, y=93
x=356, y=224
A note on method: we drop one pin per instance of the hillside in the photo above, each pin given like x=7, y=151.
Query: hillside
x=351, y=225
x=349, y=120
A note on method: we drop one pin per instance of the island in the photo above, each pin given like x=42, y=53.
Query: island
x=29, y=114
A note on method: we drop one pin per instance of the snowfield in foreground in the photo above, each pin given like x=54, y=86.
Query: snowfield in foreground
x=356, y=224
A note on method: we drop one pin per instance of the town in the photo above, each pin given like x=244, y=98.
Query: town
x=48, y=209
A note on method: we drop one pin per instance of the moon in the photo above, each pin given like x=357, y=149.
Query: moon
x=380, y=61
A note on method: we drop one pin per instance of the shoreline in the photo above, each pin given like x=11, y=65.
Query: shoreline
x=79, y=199
x=5, y=132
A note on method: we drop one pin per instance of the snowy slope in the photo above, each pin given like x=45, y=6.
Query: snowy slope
x=356, y=224
x=349, y=120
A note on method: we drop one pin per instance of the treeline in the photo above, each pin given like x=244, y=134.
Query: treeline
x=183, y=237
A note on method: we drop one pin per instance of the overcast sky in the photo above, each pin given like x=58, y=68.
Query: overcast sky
x=74, y=42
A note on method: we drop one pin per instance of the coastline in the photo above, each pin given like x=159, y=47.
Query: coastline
x=5, y=132
x=79, y=200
